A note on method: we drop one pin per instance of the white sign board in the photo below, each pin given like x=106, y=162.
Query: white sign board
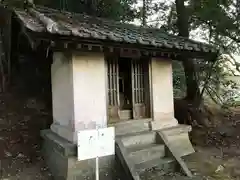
x=96, y=143
x=106, y=142
x=87, y=144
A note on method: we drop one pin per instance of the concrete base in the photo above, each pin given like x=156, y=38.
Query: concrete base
x=163, y=124
x=61, y=158
x=178, y=139
x=64, y=132
x=132, y=126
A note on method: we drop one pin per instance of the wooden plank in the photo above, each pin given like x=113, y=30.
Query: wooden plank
x=147, y=91
x=134, y=93
x=117, y=83
x=5, y=14
x=9, y=49
x=138, y=82
x=110, y=82
x=5, y=25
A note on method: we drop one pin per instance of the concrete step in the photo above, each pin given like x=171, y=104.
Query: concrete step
x=144, y=152
x=164, y=164
x=138, y=139
x=176, y=130
x=155, y=175
x=139, y=154
x=178, y=138
x=125, y=114
x=132, y=126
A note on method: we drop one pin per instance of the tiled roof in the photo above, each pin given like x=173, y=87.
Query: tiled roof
x=40, y=19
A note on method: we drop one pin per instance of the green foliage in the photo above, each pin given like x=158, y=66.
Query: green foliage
x=179, y=84
x=220, y=88
x=217, y=22
x=220, y=19
x=117, y=10
x=112, y=9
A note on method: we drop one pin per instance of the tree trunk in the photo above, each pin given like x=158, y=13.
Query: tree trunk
x=193, y=92
x=182, y=18
x=144, y=13
x=189, y=67
x=91, y=7
x=192, y=101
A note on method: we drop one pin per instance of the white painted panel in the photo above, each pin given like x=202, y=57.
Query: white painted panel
x=87, y=144
x=89, y=82
x=162, y=89
x=106, y=142
x=96, y=143
x=62, y=96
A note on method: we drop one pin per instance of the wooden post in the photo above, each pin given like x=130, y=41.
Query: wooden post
x=2, y=55
x=5, y=47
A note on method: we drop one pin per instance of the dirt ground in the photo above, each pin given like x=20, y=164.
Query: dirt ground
x=217, y=154
x=20, y=123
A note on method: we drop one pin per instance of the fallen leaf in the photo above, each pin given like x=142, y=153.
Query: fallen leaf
x=219, y=169
x=20, y=155
x=8, y=154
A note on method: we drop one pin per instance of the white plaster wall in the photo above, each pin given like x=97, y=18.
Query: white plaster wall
x=89, y=82
x=78, y=93
x=162, y=92
x=62, y=96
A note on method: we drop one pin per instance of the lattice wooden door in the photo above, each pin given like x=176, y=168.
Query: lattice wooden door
x=140, y=88
x=113, y=88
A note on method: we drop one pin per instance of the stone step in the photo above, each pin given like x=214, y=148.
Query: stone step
x=139, y=154
x=176, y=130
x=155, y=175
x=132, y=126
x=141, y=138
x=178, y=138
x=165, y=164
x=125, y=114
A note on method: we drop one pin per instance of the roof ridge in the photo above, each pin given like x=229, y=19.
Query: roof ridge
x=139, y=28
x=81, y=25
x=39, y=7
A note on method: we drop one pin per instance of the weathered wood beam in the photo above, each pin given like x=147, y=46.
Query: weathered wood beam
x=33, y=43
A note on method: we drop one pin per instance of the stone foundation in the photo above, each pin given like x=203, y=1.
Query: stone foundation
x=61, y=157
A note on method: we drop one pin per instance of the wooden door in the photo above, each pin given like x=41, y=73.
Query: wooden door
x=113, y=89
x=139, y=89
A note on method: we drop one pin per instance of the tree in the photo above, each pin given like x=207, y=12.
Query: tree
x=177, y=22
x=112, y=9
x=218, y=23
x=120, y=10
x=193, y=92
